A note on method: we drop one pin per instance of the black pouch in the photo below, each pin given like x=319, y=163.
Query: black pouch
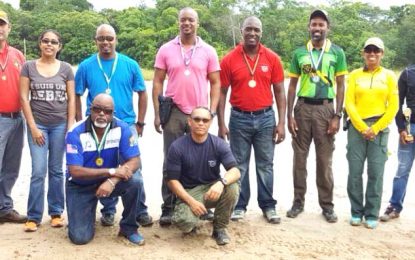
x=346, y=121
x=165, y=105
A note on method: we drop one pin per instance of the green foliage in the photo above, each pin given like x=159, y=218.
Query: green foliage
x=142, y=30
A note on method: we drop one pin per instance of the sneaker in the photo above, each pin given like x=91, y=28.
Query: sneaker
x=30, y=226
x=209, y=216
x=107, y=220
x=165, y=218
x=355, y=221
x=145, y=220
x=135, y=238
x=329, y=215
x=221, y=237
x=271, y=216
x=238, y=214
x=13, y=217
x=295, y=210
x=371, y=223
x=56, y=221
x=390, y=213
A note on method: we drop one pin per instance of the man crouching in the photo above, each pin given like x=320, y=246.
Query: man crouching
x=94, y=149
x=193, y=174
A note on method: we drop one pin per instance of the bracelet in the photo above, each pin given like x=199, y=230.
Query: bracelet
x=140, y=124
x=112, y=183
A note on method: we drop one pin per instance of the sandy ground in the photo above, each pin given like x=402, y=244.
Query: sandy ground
x=307, y=237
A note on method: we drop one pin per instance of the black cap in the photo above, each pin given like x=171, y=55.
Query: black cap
x=320, y=13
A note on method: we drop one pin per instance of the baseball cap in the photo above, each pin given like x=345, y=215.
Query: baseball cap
x=320, y=13
x=375, y=41
x=3, y=16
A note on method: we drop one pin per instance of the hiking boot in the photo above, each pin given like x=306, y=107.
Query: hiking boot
x=329, y=215
x=208, y=216
x=107, y=220
x=355, y=221
x=145, y=220
x=390, y=213
x=238, y=214
x=165, y=218
x=56, y=221
x=135, y=238
x=221, y=237
x=295, y=210
x=30, y=226
x=271, y=216
x=13, y=217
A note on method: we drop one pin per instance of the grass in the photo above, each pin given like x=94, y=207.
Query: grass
x=147, y=74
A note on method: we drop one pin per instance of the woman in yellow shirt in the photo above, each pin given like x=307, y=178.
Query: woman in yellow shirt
x=371, y=103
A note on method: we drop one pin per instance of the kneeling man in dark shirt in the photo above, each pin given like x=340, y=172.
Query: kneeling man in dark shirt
x=193, y=175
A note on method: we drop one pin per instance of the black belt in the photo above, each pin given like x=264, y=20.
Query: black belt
x=315, y=101
x=256, y=112
x=10, y=115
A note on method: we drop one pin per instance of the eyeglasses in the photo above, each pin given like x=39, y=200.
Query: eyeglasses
x=47, y=41
x=105, y=38
x=98, y=110
x=200, y=119
x=371, y=49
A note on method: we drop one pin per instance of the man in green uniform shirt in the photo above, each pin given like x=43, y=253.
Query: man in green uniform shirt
x=321, y=65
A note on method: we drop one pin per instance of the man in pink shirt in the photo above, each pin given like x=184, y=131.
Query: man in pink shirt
x=11, y=122
x=190, y=64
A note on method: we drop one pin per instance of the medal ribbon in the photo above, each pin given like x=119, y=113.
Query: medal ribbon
x=320, y=58
x=114, y=67
x=3, y=66
x=186, y=60
x=251, y=70
x=100, y=145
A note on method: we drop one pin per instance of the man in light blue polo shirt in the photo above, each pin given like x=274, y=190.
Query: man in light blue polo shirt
x=119, y=76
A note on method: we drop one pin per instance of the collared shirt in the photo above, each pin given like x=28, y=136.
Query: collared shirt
x=9, y=79
x=235, y=73
x=406, y=84
x=187, y=91
x=371, y=94
x=126, y=80
x=333, y=64
x=81, y=149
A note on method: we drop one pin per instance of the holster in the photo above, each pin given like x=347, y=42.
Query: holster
x=165, y=106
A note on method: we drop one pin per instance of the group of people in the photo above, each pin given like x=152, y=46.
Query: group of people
x=102, y=153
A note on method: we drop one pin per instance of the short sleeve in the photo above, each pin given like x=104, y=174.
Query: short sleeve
x=80, y=80
x=278, y=71
x=68, y=71
x=25, y=70
x=173, y=163
x=128, y=144
x=225, y=154
x=74, y=150
x=295, y=70
x=138, y=84
x=213, y=61
x=225, y=73
x=160, y=62
x=341, y=67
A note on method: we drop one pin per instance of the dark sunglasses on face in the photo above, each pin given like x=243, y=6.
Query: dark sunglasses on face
x=371, y=49
x=47, y=41
x=98, y=110
x=199, y=119
x=105, y=38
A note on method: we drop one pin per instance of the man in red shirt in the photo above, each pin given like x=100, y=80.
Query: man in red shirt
x=250, y=70
x=11, y=122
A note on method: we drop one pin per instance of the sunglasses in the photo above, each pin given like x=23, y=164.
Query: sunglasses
x=47, y=41
x=200, y=119
x=98, y=110
x=105, y=38
x=371, y=49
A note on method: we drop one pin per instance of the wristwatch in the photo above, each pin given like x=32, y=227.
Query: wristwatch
x=224, y=181
x=111, y=171
x=339, y=115
x=140, y=124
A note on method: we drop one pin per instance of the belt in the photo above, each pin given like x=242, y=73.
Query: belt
x=315, y=101
x=10, y=114
x=256, y=112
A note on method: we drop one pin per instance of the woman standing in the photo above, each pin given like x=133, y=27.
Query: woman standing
x=371, y=102
x=49, y=112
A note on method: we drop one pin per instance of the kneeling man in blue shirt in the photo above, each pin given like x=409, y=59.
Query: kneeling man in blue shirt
x=94, y=149
x=193, y=174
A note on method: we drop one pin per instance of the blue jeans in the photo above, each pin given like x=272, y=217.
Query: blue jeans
x=110, y=204
x=47, y=159
x=11, y=144
x=406, y=155
x=255, y=131
x=81, y=203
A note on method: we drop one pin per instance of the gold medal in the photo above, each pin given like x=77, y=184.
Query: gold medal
x=3, y=77
x=99, y=161
x=252, y=83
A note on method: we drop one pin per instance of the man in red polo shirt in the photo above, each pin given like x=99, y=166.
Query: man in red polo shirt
x=11, y=122
x=250, y=70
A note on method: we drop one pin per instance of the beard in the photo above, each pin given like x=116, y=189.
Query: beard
x=100, y=124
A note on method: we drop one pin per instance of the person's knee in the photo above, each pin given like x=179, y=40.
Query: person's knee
x=80, y=238
x=184, y=219
x=232, y=191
